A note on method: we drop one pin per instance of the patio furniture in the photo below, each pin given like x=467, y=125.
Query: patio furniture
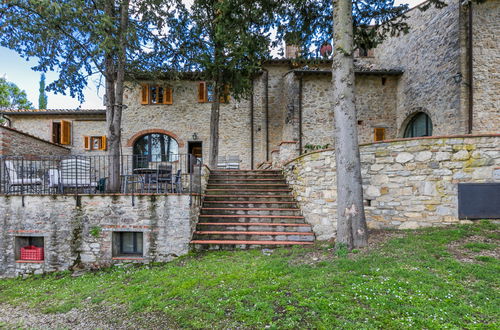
x=163, y=176
x=177, y=185
x=221, y=162
x=76, y=173
x=156, y=177
x=17, y=179
x=132, y=179
x=229, y=162
x=233, y=162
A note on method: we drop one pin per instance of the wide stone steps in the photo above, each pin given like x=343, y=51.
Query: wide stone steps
x=247, y=209
x=239, y=191
x=262, y=211
x=247, y=197
x=243, y=244
x=251, y=204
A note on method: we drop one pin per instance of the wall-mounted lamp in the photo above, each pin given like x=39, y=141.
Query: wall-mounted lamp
x=195, y=136
x=457, y=78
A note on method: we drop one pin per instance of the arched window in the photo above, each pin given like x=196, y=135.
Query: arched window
x=155, y=147
x=419, y=125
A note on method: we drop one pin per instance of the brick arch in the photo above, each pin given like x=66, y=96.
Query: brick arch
x=136, y=136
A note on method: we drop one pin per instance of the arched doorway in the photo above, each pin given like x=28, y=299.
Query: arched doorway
x=419, y=125
x=155, y=147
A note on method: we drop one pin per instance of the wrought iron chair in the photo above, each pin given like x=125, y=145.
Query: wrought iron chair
x=18, y=179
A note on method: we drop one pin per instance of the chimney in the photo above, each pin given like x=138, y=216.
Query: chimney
x=292, y=51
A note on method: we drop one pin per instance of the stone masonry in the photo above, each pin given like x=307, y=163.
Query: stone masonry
x=410, y=183
x=15, y=142
x=78, y=231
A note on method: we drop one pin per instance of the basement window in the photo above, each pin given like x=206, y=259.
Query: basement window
x=127, y=244
x=29, y=248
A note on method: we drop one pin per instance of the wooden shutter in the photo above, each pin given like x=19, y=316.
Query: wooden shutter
x=224, y=98
x=167, y=95
x=86, y=142
x=65, y=132
x=202, y=92
x=379, y=133
x=104, y=143
x=144, y=94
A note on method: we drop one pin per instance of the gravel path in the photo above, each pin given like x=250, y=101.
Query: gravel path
x=13, y=317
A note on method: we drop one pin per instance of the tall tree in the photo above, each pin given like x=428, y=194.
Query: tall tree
x=351, y=222
x=86, y=37
x=226, y=40
x=12, y=97
x=42, y=97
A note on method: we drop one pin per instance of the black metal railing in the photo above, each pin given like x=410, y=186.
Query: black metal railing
x=54, y=175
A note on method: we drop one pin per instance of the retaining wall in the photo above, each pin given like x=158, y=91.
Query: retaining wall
x=408, y=183
x=78, y=231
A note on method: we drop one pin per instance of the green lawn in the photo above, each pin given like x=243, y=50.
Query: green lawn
x=414, y=279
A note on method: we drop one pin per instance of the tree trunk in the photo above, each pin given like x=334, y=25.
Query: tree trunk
x=114, y=90
x=214, y=128
x=351, y=222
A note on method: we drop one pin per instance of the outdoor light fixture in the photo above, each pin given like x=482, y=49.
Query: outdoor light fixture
x=195, y=136
x=457, y=77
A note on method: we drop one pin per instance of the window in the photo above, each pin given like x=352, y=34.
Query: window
x=419, y=125
x=94, y=142
x=127, y=244
x=30, y=248
x=156, y=94
x=206, y=93
x=379, y=134
x=61, y=132
x=364, y=51
x=155, y=147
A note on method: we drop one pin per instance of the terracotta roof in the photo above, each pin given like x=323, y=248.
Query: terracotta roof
x=83, y=112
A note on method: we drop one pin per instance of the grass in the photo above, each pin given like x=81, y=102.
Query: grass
x=410, y=281
x=479, y=246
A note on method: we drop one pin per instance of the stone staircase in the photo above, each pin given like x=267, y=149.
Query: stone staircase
x=249, y=209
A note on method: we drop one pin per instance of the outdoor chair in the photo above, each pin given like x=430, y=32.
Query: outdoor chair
x=18, y=180
x=221, y=162
x=134, y=180
x=161, y=177
x=76, y=173
x=177, y=185
x=233, y=162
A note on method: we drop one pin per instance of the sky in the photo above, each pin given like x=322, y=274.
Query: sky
x=18, y=70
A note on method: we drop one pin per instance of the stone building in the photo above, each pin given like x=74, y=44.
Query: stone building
x=437, y=85
x=439, y=79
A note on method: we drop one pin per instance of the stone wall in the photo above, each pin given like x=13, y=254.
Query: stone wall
x=408, y=183
x=429, y=55
x=41, y=127
x=185, y=117
x=375, y=106
x=82, y=235
x=486, y=66
x=15, y=142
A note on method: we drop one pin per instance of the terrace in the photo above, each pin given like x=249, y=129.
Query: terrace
x=73, y=175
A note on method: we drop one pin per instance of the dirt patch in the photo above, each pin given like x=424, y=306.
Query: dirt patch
x=95, y=317
x=325, y=251
x=469, y=249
